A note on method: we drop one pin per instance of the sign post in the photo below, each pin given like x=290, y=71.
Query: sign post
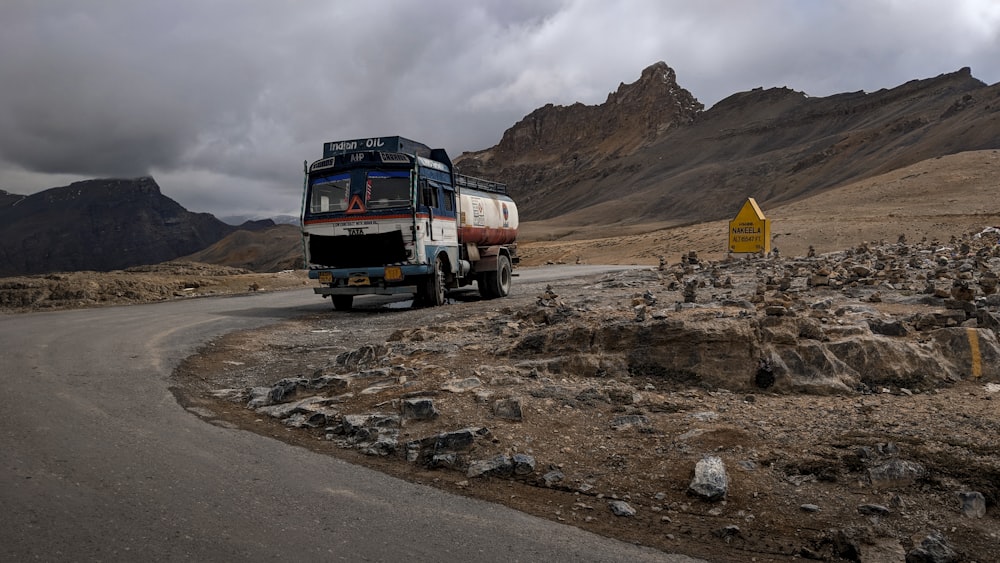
x=750, y=231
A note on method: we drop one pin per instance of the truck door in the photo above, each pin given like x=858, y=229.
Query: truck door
x=429, y=202
x=437, y=200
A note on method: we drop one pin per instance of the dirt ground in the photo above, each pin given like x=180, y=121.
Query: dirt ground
x=803, y=470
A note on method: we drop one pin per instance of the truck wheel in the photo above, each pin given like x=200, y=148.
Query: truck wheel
x=433, y=293
x=496, y=284
x=484, y=286
x=342, y=302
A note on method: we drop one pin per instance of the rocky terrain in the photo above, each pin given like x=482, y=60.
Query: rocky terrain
x=828, y=406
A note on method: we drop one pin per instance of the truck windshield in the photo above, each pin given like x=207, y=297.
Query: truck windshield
x=330, y=194
x=387, y=189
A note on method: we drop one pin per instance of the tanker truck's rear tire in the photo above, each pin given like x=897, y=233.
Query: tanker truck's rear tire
x=484, y=288
x=496, y=284
x=342, y=302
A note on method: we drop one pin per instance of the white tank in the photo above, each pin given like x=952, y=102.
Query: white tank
x=486, y=219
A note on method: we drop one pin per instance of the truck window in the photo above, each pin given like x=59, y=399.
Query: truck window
x=449, y=200
x=428, y=194
x=387, y=189
x=330, y=194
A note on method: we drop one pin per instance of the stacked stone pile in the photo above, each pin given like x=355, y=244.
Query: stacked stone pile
x=900, y=317
x=880, y=315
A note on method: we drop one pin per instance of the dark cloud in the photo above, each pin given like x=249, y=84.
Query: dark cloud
x=108, y=88
x=223, y=100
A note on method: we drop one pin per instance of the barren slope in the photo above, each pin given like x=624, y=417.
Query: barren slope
x=273, y=249
x=936, y=198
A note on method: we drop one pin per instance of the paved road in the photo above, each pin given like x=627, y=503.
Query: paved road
x=98, y=462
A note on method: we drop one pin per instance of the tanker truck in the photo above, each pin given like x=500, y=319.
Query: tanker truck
x=390, y=216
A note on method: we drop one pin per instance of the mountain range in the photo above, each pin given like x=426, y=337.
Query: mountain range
x=651, y=153
x=105, y=224
x=651, y=156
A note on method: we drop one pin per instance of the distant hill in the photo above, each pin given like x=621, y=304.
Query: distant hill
x=651, y=154
x=242, y=220
x=102, y=225
x=270, y=250
x=7, y=199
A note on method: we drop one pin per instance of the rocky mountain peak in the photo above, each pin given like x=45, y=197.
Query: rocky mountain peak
x=142, y=184
x=102, y=191
x=555, y=141
x=102, y=224
x=632, y=116
x=657, y=82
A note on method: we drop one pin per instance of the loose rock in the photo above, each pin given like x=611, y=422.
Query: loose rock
x=896, y=473
x=499, y=465
x=622, y=508
x=973, y=504
x=933, y=549
x=419, y=408
x=508, y=409
x=710, y=483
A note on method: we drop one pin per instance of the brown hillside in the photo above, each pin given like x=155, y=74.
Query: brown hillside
x=935, y=198
x=274, y=249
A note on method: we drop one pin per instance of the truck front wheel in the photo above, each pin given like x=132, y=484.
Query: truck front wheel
x=434, y=288
x=342, y=302
x=496, y=284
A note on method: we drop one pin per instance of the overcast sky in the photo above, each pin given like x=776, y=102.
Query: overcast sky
x=222, y=100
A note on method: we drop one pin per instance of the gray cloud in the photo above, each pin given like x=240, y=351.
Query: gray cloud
x=223, y=100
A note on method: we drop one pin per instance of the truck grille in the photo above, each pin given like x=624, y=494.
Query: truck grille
x=348, y=251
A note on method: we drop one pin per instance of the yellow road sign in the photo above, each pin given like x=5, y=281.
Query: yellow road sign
x=750, y=231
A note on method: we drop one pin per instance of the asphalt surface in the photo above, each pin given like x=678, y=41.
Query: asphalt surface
x=99, y=462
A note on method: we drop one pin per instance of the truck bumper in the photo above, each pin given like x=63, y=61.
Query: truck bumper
x=369, y=281
x=372, y=272
x=366, y=290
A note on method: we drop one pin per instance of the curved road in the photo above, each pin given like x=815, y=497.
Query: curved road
x=98, y=461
